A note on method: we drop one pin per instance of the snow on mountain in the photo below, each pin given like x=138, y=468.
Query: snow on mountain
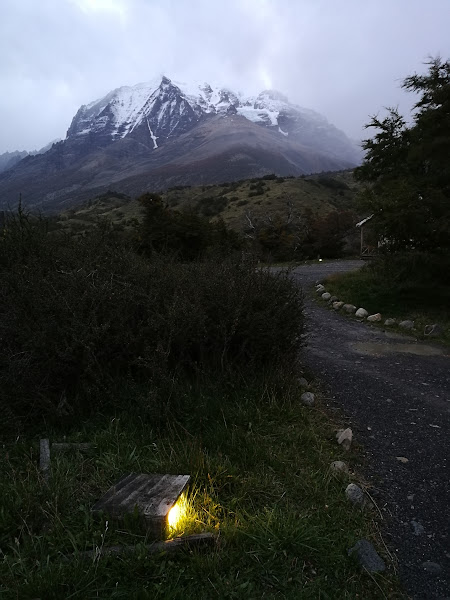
x=165, y=133
x=161, y=109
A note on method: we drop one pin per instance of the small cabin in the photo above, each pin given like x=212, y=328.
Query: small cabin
x=369, y=244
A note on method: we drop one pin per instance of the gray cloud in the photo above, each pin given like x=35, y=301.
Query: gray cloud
x=344, y=59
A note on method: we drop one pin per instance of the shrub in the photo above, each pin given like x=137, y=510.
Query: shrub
x=79, y=316
x=334, y=184
x=413, y=269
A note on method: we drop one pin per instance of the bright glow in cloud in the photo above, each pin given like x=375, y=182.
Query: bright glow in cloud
x=114, y=7
x=265, y=78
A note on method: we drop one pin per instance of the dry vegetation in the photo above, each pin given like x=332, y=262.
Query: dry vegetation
x=321, y=193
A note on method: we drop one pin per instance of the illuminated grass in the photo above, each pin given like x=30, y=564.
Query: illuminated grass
x=259, y=463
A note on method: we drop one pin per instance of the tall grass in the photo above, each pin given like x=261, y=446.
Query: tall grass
x=260, y=480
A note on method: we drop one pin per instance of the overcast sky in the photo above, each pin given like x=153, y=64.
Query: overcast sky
x=343, y=58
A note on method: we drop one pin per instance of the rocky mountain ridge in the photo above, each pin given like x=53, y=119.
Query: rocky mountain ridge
x=163, y=133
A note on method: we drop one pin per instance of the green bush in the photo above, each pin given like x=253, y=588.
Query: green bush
x=79, y=315
x=414, y=268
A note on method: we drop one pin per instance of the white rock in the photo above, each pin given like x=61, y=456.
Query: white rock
x=374, y=318
x=355, y=494
x=349, y=308
x=344, y=438
x=339, y=466
x=338, y=305
x=307, y=398
x=390, y=322
x=406, y=324
x=320, y=289
x=361, y=313
x=326, y=296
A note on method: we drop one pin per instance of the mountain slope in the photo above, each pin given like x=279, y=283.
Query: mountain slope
x=9, y=159
x=159, y=134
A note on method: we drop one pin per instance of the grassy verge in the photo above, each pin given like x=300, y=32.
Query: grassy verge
x=375, y=288
x=259, y=463
x=144, y=357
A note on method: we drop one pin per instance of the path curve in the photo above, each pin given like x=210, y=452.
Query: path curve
x=395, y=394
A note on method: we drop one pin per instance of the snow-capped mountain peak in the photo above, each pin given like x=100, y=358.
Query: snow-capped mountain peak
x=166, y=108
x=162, y=109
x=164, y=132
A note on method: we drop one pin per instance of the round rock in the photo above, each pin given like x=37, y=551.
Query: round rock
x=374, y=318
x=361, y=313
x=355, y=494
x=390, y=322
x=338, y=305
x=349, y=308
x=307, y=398
x=339, y=466
x=326, y=296
x=406, y=324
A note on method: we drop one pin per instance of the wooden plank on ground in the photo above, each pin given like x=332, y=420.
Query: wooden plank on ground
x=67, y=446
x=151, y=495
x=198, y=541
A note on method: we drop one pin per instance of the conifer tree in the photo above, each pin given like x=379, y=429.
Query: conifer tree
x=407, y=168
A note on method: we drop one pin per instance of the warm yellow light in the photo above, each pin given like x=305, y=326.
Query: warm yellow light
x=176, y=513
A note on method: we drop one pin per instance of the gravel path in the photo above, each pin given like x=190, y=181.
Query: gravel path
x=395, y=394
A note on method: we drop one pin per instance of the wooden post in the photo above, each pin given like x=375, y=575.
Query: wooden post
x=44, y=458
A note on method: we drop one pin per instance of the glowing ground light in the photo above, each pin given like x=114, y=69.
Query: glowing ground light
x=176, y=513
x=158, y=498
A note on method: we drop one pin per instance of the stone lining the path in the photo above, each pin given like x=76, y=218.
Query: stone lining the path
x=434, y=330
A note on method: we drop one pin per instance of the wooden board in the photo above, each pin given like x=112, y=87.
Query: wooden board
x=198, y=541
x=151, y=495
x=67, y=446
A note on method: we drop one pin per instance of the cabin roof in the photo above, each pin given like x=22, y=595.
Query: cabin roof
x=361, y=223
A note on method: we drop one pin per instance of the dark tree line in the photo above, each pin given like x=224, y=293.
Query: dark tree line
x=407, y=167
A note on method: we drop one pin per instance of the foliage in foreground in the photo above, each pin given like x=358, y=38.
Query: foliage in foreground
x=259, y=464
x=79, y=315
x=407, y=168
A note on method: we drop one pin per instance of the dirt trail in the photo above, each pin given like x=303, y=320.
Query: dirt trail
x=395, y=392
